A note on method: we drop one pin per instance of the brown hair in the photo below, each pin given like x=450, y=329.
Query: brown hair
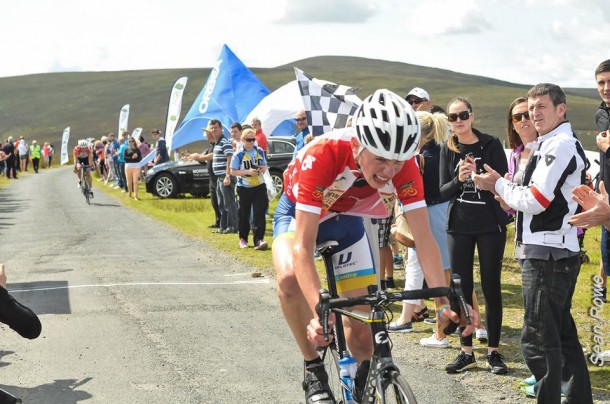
x=514, y=140
x=603, y=67
x=453, y=142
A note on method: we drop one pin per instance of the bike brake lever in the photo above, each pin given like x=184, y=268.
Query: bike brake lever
x=458, y=303
x=323, y=308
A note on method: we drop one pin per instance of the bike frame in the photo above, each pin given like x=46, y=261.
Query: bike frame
x=382, y=363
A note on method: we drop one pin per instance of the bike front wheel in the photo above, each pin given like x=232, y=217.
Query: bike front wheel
x=394, y=389
x=86, y=192
x=331, y=364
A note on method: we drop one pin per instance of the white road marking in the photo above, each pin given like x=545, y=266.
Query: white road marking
x=112, y=285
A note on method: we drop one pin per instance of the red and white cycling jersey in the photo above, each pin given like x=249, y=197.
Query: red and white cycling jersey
x=322, y=178
x=82, y=153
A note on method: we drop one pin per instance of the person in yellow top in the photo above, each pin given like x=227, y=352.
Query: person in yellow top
x=35, y=154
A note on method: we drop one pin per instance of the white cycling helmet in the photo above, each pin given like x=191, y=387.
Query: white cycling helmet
x=83, y=144
x=387, y=126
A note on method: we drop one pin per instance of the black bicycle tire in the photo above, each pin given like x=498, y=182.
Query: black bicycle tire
x=331, y=364
x=393, y=384
x=86, y=192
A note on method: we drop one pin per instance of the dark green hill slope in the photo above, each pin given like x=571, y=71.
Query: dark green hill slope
x=41, y=106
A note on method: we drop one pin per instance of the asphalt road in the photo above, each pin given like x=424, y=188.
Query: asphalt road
x=135, y=312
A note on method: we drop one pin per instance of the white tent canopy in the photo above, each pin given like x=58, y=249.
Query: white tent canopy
x=277, y=107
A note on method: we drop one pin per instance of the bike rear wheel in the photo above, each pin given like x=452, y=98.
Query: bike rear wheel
x=394, y=389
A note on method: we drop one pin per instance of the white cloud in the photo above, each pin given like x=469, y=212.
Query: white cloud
x=446, y=17
x=539, y=40
x=326, y=11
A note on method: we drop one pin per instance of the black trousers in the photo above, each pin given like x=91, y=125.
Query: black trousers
x=252, y=200
x=490, y=247
x=214, y=197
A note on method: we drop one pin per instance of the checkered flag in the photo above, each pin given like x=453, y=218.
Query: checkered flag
x=327, y=105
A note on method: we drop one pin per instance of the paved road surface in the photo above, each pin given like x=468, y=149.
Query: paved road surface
x=134, y=312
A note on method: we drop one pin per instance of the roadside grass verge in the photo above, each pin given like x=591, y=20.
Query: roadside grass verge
x=192, y=216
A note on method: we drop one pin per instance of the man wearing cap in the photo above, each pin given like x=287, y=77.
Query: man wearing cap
x=162, y=155
x=419, y=99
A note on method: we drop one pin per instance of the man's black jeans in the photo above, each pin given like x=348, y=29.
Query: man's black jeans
x=549, y=337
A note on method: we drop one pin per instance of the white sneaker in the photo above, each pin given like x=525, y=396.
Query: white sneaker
x=481, y=335
x=434, y=342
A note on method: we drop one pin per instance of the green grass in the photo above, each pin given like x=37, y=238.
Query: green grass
x=192, y=216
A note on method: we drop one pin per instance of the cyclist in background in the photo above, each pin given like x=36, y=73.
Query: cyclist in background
x=83, y=156
x=333, y=183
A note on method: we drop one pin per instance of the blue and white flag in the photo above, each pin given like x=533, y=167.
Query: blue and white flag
x=230, y=93
x=327, y=105
x=148, y=158
x=64, y=146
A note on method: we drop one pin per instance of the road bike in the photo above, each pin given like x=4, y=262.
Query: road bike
x=84, y=185
x=384, y=382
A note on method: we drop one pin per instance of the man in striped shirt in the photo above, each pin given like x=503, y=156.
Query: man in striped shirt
x=225, y=189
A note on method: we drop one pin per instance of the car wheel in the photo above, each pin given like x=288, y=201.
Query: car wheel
x=278, y=182
x=166, y=186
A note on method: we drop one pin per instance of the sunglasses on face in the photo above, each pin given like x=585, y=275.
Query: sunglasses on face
x=300, y=119
x=249, y=139
x=464, y=116
x=518, y=117
x=415, y=101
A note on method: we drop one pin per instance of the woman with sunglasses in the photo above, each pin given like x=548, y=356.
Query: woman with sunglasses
x=248, y=165
x=133, y=156
x=475, y=220
x=520, y=131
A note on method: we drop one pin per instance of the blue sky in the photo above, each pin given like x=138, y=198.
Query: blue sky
x=530, y=41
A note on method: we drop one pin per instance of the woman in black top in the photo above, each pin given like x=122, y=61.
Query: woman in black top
x=133, y=156
x=475, y=219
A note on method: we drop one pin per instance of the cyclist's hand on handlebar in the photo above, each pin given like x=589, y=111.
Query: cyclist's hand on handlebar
x=315, y=331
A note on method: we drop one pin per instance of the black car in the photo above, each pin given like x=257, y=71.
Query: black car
x=281, y=149
x=172, y=178
x=168, y=180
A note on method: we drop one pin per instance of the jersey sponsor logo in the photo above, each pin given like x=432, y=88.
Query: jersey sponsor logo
x=548, y=159
x=407, y=190
x=318, y=193
x=344, y=259
x=307, y=163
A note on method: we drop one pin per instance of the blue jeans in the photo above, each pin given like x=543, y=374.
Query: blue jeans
x=227, y=204
x=549, y=338
x=122, y=176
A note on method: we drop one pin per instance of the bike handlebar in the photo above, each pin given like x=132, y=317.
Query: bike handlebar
x=454, y=293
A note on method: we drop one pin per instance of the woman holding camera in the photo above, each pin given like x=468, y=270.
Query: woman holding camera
x=248, y=165
x=475, y=220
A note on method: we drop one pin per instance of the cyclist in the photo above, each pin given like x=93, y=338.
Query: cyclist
x=333, y=183
x=83, y=156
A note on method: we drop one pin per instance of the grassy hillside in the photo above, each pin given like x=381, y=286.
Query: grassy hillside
x=41, y=106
